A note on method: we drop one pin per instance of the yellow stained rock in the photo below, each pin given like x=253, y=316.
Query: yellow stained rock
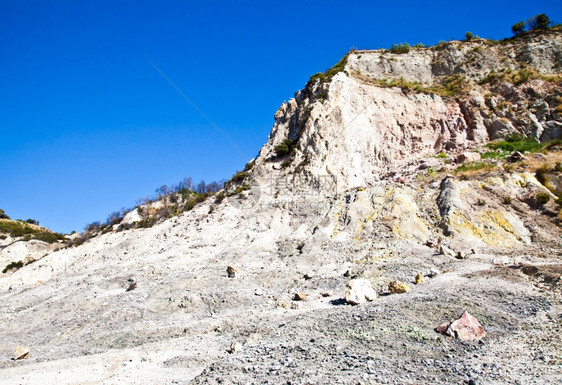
x=21, y=352
x=419, y=278
x=397, y=287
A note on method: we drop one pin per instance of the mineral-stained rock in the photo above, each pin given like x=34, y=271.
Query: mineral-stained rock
x=397, y=287
x=465, y=328
x=419, y=278
x=21, y=352
x=359, y=291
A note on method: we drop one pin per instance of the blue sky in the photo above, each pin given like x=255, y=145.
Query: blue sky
x=88, y=125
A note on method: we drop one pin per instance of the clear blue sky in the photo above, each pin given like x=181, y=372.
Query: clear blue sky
x=89, y=126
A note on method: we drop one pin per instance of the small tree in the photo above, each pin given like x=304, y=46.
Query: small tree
x=3, y=215
x=518, y=28
x=186, y=184
x=162, y=191
x=468, y=36
x=114, y=218
x=201, y=187
x=538, y=22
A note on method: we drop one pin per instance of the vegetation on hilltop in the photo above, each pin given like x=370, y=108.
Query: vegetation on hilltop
x=28, y=230
x=539, y=22
x=327, y=75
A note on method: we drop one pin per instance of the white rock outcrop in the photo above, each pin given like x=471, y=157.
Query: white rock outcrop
x=359, y=291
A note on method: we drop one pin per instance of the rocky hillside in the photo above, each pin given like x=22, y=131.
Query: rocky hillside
x=24, y=242
x=432, y=176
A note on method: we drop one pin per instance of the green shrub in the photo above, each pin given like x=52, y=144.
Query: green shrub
x=518, y=28
x=147, y=222
x=468, y=36
x=242, y=188
x=400, y=48
x=431, y=172
x=481, y=202
x=284, y=148
x=405, y=85
x=13, y=266
x=543, y=198
x=219, y=197
x=249, y=165
x=474, y=166
x=507, y=200
x=49, y=237
x=442, y=155
x=286, y=163
x=3, y=215
x=329, y=73
x=189, y=205
x=493, y=154
x=538, y=22
x=517, y=77
x=558, y=167
x=455, y=84
x=22, y=229
x=515, y=142
x=239, y=176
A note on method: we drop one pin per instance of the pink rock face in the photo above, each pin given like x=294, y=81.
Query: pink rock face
x=466, y=328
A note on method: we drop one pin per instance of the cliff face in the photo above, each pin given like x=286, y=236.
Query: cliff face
x=359, y=177
x=384, y=110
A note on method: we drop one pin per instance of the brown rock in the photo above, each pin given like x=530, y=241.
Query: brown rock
x=530, y=270
x=299, y=297
x=231, y=271
x=460, y=255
